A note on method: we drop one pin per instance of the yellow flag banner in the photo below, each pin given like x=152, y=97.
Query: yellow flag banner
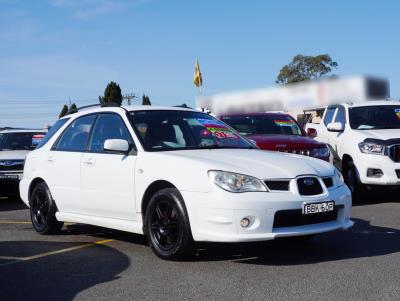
x=197, y=79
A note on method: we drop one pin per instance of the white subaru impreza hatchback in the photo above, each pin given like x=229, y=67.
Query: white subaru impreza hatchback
x=178, y=176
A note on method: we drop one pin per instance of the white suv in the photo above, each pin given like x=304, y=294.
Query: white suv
x=177, y=176
x=364, y=139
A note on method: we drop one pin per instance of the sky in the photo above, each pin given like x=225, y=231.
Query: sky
x=53, y=51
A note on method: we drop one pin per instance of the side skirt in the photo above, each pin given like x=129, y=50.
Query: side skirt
x=112, y=223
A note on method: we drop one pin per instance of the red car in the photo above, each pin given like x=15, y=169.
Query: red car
x=276, y=132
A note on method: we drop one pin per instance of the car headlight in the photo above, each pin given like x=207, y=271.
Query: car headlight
x=235, y=182
x=338, y=178
x=320, y=152
x=371, y=148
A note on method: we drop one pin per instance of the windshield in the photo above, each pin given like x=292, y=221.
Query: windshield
x=264, y=125
x=163, y=130
x=19, y=141
x=375, y=117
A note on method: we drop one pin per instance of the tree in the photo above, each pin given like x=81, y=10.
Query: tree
x=304, y=67
x=63, y=112
x=112, y=93
x=146, y=100
x=73, y=109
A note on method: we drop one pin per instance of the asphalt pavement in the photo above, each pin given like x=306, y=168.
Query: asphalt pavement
x=92, y=263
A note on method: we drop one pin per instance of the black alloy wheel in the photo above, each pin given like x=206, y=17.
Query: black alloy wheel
x=43, y=210
x=167, y=226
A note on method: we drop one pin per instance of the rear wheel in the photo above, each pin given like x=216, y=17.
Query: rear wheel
x=167, y=226
x=43, y=210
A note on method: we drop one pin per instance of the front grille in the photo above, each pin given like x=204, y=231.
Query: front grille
x=293, y=218
x=328, y=182
x=394, y=152
x=281, y=185
x=11, y=165
x=304, y=152
x=309, y=186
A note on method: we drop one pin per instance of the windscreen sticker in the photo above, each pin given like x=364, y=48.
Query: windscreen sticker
x=281, y=122
x=36, y=139
x=397, y=111
x=217, y=128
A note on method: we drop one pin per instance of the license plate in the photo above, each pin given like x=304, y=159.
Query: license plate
x=9, y=177
x=312, y=208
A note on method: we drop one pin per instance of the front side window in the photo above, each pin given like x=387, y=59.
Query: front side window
x=108, y=126
x=75, y=137
x=19, y=140
x=52, y=131
x=163, y=130
x=375, y=117
x=264, y=125
x=340, y=116
x=329, y=115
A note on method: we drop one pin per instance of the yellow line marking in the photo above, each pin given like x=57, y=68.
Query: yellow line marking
x=14, y=222
x=20, y=259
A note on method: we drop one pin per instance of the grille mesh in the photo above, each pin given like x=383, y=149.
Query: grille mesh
x=281, y=185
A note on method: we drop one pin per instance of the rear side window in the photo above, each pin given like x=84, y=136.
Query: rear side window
x=76, y=136
x=329, y=115
x=54, y=129
x=108, y=126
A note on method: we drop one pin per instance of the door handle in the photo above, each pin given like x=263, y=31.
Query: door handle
x=50, y=159
x=89, y=162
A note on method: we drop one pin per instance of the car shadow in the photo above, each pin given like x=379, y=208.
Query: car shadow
x=363, y=240
x=99, y=232
x=56, y=277
x=378, y=196
x=11, y=204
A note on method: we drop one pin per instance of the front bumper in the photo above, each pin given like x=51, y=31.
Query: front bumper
x=216, y=216
x=9, y=183
x=365, y=161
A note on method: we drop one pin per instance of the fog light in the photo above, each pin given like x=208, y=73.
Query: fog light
x=374, y=173
x=245, y=222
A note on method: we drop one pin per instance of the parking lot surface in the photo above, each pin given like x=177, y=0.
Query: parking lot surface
x=87, y=263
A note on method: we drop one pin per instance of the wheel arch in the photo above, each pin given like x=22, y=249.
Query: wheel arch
x=151, y=190
x=33, y=184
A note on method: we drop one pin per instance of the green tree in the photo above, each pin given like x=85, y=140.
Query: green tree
x=112, y=93
x=73, y=109
x=304, y=67
x=63, y=112
x=146, y=100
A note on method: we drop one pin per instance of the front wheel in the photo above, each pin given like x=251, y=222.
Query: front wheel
x=351, y=179
x=43, y=210
x=167, y=226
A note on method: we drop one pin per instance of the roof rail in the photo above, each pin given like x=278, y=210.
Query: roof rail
x=103, y=105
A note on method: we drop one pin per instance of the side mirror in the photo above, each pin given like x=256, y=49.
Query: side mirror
x=311, y=132
x=335, y=127
x=116, y=145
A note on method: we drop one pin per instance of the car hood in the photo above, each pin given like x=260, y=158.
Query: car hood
x=13, y=155
x=380, y=134
x=282, y=142
x=254, y=162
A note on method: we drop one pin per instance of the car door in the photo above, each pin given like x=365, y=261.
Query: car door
x=63, y=164
x=107, y=178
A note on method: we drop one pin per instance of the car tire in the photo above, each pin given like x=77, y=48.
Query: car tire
x=43, y=211
x=351, y=179
x=167, y=226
